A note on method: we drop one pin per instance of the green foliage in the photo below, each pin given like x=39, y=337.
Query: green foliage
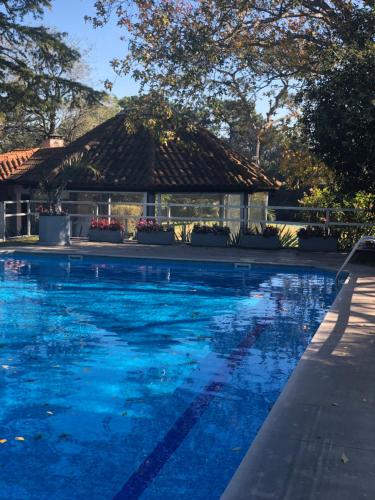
x=365, y=202
x=235, y=238
x=54, y=183
x=37, y=76
x=299, y=167
x=199, y=53
x=243, y=129
x=339, y=118
x=288, y=238
x=80, y=120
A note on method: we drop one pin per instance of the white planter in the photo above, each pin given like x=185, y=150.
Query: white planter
x=260, y=242
x=318, y=244
x=54, y=230
x=209, y=239
x=155, y=237
x=106, y=236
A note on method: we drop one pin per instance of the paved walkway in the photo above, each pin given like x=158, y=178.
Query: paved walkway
x=186, y=252
x=318, y=442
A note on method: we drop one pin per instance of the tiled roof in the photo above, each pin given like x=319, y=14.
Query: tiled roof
x=11, y=163
x=199, y=161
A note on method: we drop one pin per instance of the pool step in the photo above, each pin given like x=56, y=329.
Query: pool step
x=75, y=258
x=243, y=266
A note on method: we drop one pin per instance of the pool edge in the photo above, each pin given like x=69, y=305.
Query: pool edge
x=310, y=446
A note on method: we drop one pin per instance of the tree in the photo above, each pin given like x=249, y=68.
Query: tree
x=54, y=183
x=299, y=167
x=38, y=76
x=247, y=134
x=339, y=119
x=78, y=121
x=231, y=49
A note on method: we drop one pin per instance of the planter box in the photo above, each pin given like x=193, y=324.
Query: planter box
x=260, y=242
x=209, y=239
x=318, y=244
x=54, y=230
x=155, y=237
x=106, y=236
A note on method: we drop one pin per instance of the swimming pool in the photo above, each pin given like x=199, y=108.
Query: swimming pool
x=123, y=379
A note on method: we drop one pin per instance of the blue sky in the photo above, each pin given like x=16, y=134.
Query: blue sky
x=102, y=44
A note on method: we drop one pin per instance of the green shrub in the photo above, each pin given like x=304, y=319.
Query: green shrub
x=331, y=198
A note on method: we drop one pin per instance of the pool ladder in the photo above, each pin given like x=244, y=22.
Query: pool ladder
x=362, y=240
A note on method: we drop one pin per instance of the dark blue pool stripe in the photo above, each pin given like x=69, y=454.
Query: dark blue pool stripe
x=155, y=461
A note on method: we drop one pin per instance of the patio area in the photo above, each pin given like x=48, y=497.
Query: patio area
x=132, y=249
x=318, y=440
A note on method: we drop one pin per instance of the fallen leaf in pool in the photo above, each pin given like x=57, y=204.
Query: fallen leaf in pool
x=237, y=449
x=124, y=414
x=344, y=458
x=2, y=441
x=19, y=438
x=64, y=436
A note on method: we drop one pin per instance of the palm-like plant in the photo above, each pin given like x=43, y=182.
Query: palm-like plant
x=56, y=182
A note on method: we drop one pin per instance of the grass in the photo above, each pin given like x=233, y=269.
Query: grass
x=20, y=241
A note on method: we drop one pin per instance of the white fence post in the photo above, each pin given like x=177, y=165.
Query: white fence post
x=2, y=220
x=109, y=208
x=28, y=219
x=327, y=219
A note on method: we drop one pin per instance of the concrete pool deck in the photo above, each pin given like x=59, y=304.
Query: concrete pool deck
x=291, y=257
x=318, y=442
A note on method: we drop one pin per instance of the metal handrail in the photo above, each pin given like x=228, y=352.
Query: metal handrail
x=223, y=215
x=363, y=239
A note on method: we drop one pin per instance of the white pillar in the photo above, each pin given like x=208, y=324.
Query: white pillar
x=109, y=208
x=244, y=212
x=158, y=207
x=2, y=221
x=222, y=210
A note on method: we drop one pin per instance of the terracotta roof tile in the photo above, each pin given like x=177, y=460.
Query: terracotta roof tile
x=11, y=162
x=199, y=161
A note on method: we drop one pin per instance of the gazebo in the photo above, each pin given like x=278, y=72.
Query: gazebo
x=135, y=166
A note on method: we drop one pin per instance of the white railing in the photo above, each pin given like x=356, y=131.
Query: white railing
x=163, y=212
x=360, y=243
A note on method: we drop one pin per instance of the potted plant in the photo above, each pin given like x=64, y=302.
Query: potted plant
x=54, y=226
x=54, y=222
x=149, y=232
x=105, y=230
x=265, y=239
x=316, y=239
x=210, y=236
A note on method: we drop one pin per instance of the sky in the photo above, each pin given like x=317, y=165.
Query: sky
x=100, y=45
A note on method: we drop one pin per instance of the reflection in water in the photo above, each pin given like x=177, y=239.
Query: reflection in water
x=98, y=360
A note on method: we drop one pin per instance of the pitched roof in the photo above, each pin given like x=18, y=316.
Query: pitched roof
x=197, y=162
x=11, y=162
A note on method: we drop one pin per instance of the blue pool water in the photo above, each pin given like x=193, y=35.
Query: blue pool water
x=139, y=379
